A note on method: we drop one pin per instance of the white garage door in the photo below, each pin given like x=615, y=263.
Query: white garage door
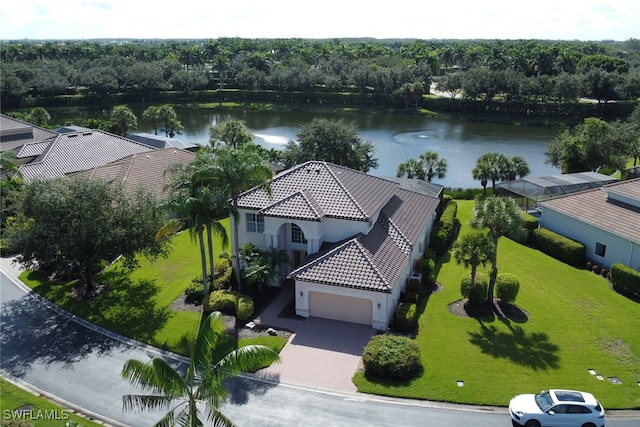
x=338, y=307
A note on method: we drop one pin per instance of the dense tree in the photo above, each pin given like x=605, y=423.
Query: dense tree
x=167, y=116
x=333, y=141
x=203, y=383
x=516, y=167
x=500, y=216
x=590, y=146
x=78, y=222
x=10, y=185
x=490, y=167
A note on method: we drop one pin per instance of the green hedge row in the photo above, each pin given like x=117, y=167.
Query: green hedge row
x=625, y=279
x=229, y=302
x=443, y=233
x=559, y=247
x=528, y=223
x=406, y=316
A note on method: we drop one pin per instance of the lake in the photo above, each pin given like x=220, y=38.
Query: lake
x=396, y=137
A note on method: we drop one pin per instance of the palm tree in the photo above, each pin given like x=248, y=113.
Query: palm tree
x=266, y=266
x=472, y=250
x=412, y=168
x=230, y=132
x=124, y=119
x=500, y=216
x=433, y=164
x=490, y=166
x=518, y=167
x=237, y=170
x=193, y=196
x=152, y=114
x=203, y=382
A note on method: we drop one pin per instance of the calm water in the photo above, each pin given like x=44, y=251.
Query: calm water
x=396, y=137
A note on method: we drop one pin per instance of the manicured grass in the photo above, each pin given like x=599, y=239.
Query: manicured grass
x=136, y=303
x=576, y=323
x=43, y=412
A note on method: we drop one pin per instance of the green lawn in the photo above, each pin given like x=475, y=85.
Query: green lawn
x=576, y=323
x=43, y=413
x=137, y=303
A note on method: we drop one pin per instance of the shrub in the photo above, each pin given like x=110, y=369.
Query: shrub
x=406, y=316
x=392, y=357
x=588, y=265
x=442, y=234
x=595, y=268
x=604, y=272
x=559, y=247
x=194, y=293
x=222, y=280
x=477, y=294
x=625, y=280
x=229, y=302
x=528, y=224
x=507, y=287
x=411, y=297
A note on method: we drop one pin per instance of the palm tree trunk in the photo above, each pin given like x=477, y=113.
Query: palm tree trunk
x=87, y=280
x=203, y=259
x=210, y=247
x=236, y=244
x=494, y=272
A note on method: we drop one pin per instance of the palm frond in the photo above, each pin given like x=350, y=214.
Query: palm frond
x=245, y=359
x=211, y=330
x=169, y=229
x=140, y=402
x=156, y=376
x=218, y=418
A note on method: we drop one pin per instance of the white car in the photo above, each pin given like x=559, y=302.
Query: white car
x=554, y=408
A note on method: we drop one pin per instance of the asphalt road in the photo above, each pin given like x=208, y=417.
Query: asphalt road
x=80, y=365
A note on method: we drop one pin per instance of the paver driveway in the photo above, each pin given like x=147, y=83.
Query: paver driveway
x=321, y=354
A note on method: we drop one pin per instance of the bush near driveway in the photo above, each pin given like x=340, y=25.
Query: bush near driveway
x=391, y=357
x=576, y=323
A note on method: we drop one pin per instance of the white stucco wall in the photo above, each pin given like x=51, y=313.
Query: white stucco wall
x=618, y=249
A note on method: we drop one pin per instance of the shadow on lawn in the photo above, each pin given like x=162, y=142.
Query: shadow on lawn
x=531, y=350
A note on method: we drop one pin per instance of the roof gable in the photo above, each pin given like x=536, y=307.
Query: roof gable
x=338, y=191
x=299, y=205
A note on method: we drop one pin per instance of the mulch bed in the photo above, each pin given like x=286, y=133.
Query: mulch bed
x=180, y=304
x=499, y=309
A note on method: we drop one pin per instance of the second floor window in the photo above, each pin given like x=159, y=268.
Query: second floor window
x=297, y=236
x=255, y=223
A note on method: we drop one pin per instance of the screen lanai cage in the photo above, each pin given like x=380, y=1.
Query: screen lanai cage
x=532, y=190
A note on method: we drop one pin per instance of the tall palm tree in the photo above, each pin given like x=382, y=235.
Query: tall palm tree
x=472, y=250
x=433, y=164
x=193, y=196
x=411, y=168
x=517, y=167
x=490, y=166
x=500, y=216
x=238, y=170
x=203, y=382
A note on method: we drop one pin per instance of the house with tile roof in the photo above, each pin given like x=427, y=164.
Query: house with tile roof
x=606, y=220
x=15, y=133
x=141, y=170
x=73, y=152
x=353, y=238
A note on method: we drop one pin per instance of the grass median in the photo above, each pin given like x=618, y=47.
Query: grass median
x=576, y=323
x=137, y=304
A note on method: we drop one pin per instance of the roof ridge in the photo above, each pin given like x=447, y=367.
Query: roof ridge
x=398, y=230
x=343, y=188
x=295, y=194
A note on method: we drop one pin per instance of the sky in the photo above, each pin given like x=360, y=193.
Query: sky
x=587, y=20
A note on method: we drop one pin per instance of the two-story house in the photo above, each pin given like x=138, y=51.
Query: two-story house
x=353, y=238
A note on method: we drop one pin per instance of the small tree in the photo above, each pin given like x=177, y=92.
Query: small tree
x=507, y=287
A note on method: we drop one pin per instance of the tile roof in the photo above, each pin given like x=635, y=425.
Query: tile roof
x=337, y=191
x=374, y=261
x=597, y=208
x=299, y=205
x=74, y=152
x=15, y=133
x=159, y=141
x=144, y=169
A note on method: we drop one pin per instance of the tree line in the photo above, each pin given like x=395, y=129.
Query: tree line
x=392, y=72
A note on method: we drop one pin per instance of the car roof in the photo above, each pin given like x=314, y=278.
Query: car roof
x=573, y=396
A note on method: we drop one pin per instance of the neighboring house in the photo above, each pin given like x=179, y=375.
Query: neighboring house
x=74, y=152
x=16, y=133
x=141, y=170
x=606, y=220
x=353, y=238
x=159, y=141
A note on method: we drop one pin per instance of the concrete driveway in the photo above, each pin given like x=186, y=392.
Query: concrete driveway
x=321, y=354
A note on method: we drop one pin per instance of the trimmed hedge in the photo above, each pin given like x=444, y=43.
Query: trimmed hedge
x=224, y=301
x=406, y=316
x=392, y=357
x=625, y=279
x=558, y=246
x=507, y=287
x=443, y=233
x=477, y=294
x=528, y=223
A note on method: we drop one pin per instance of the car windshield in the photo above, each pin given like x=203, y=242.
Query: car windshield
x=544, y=400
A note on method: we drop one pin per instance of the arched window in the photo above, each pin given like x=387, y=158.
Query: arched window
x=297, y=236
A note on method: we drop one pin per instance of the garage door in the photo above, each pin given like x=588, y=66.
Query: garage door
x=338, y=307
